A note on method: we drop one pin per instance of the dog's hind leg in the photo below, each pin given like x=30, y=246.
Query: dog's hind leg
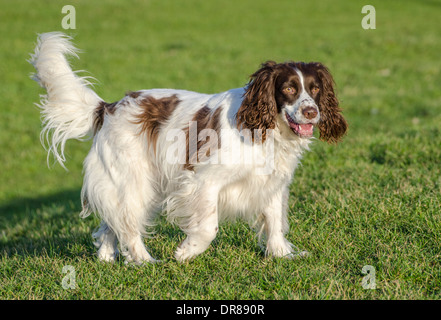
x=136, y=211
x=106, y=242
x=124, y=198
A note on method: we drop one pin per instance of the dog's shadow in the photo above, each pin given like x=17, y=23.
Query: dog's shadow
x=46, y=225
x=51, y=226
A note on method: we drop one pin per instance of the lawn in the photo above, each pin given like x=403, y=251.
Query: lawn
x=373, y=200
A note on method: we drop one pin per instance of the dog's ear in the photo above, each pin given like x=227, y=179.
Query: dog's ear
x=258, y=109
x=332, y=125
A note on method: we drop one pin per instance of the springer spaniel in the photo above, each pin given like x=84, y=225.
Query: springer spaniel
x=200, y=158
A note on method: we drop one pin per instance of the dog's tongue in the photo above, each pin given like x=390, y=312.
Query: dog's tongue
x=302, y=129
x=306, y=129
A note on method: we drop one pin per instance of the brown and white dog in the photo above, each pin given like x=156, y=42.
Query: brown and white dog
x=200, y=158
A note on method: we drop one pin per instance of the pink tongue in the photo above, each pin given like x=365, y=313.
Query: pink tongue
x=305, y=129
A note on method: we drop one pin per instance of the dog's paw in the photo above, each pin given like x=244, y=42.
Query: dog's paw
x=107, y=254
x=298, y=255
x=284, y=249
x=189, y=249
x=183, y=252
x=140, y=262
x=107, y=257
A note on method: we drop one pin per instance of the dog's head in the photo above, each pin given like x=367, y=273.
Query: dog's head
x=297, y=95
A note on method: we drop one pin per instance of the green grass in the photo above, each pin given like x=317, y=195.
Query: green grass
x=372, y=200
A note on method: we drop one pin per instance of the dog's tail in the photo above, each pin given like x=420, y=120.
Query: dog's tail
x=69, y=106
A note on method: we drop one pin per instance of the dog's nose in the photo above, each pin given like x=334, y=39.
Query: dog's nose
x=310, y=113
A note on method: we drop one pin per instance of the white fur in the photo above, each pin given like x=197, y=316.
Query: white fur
x=68, y=106
x=127, y=184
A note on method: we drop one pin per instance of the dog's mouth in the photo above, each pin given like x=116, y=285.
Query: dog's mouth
x=302, y=130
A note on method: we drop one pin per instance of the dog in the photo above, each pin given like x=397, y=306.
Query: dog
x=198, y=158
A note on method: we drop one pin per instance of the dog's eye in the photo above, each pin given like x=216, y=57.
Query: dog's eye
x=315, y=90
x=289, y=90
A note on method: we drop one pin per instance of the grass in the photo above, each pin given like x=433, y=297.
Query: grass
x=372, y=200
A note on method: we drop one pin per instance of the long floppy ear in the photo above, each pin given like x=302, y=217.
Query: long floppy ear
x=332, y=125
x=259, y=109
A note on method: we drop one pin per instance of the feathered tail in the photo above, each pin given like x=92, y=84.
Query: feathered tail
x=68, y=107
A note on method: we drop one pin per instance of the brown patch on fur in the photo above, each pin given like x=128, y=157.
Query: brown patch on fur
x=155, y=113
x=133, y=94
x=258, y=110
x=332, y=125
x=205, y=119
x=100, y=111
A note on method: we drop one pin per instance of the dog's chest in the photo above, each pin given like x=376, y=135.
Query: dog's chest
x=250, y=195
x=255, y=189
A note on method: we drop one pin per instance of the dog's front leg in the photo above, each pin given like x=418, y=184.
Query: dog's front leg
x=276, y=226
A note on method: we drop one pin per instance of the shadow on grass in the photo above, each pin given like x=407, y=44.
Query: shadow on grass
x=43, y=225
x=51, y=226
x=21, y=206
